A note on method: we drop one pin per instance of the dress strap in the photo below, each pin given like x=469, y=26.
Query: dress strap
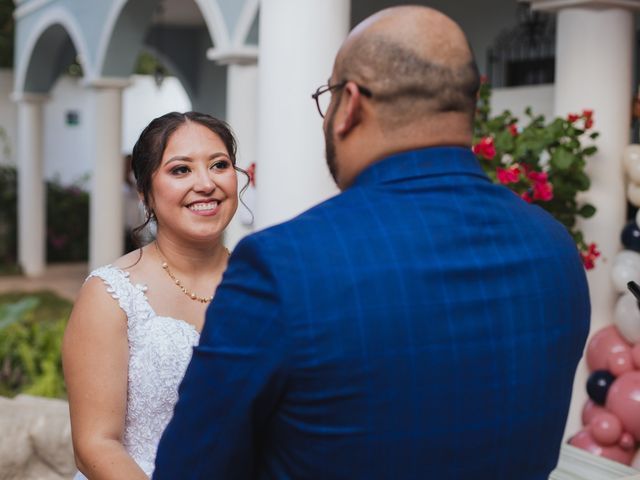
x=130, y=297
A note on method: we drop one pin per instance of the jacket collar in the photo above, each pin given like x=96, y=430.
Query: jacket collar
x=425, y=162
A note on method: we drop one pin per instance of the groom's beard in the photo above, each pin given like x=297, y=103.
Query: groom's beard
x=330, y=147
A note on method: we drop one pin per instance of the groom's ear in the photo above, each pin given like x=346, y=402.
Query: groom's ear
x=352, y=109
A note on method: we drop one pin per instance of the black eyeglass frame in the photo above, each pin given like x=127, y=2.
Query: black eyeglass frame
x=328, y=88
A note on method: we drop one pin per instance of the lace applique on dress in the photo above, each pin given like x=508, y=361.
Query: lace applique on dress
x=160, y=349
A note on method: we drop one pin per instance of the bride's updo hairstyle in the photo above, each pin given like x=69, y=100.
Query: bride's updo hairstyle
x=148, y=150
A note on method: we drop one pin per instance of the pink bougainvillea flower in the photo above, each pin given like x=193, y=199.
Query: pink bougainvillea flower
x=485, y=148
x=589, y=257
x=513, y=129
x=572, y=117
x=251, y=171
x=526, y=197
x=538, y=177
x=508, y=175
x=588, y=118
x=542, y=191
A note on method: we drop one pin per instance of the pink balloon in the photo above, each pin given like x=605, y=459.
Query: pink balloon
x=605, y=428
x=585, y=441
x=635, y=462
x=623, y=400
x=635, y=353
x=590, y=410
x=620, y=362
x=627, y=442
x=604, y=342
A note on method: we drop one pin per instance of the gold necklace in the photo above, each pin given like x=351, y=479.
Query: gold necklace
x=191, y=295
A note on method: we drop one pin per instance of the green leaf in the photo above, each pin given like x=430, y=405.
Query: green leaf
x=590, y=150
x=503, y=141
x=12, y=313
x=562, y=159
x=587, y=211
x=581, y=181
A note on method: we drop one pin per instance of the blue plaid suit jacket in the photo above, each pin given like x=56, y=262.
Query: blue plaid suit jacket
x=425, y=323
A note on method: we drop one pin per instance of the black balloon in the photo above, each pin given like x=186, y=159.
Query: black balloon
x=598, y=385
x=630, y=236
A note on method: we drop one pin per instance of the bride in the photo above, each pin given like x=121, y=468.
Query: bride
x=131, y=332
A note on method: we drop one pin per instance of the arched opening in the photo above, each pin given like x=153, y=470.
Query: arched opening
x=177, y=35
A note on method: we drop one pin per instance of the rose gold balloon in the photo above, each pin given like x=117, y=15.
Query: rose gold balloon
x=627, y=442
x=590, y=410
x=623, y=400
x=585, y=441
x=635, y=353
x=620, y=362
x=635, y=462
x=605, y=428
x=604, y=342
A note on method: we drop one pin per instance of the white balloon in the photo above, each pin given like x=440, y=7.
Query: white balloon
x=627, y=317
x=634, y=171
x=622, y=273
x=631, y=156
x=633, y=194
x=628, y=257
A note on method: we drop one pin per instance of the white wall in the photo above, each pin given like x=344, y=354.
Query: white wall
x=516, y=99
x=66, y=147
x=144, y=100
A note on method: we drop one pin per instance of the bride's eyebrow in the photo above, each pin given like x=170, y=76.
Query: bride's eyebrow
x=178, y=158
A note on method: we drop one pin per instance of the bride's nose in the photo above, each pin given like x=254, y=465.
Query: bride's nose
x=203, y=180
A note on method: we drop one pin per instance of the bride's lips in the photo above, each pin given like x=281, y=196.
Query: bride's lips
x=205, y=208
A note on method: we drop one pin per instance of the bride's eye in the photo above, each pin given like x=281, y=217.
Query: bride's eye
x=221, y=165
x=180, y=170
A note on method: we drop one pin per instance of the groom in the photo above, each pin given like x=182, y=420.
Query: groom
x=425, y=323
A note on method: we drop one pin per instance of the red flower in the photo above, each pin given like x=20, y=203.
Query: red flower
x=251, y=171
x=508, y=175
x=588, y=123
x=485, y=148
x=513, y=130
x=587, y=114
x=542, y=191
x=538, y=177
x=572, y=117
x=589, y=257
x=526, y=197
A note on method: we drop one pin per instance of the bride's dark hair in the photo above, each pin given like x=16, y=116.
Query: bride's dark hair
x=148, y=150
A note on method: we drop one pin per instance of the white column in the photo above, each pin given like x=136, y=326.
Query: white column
x=594, y=71
x=298, y=43
x=31, y=191
x=106, y=222
x=242, y=101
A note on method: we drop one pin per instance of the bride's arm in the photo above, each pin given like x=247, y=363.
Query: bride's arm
x=95, y=359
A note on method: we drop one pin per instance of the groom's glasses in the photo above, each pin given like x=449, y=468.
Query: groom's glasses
x=323, y=102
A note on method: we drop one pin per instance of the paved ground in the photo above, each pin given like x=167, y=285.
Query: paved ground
x=64, y=279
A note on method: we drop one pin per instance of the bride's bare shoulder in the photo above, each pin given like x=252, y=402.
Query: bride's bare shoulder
x=133, y=260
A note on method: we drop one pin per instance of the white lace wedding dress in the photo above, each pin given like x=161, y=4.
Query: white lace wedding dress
x=159, y=351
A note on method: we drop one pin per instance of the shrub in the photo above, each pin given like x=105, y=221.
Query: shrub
x=8, y=217
x=543, y=163
x=31, y=329
x=67, y=221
